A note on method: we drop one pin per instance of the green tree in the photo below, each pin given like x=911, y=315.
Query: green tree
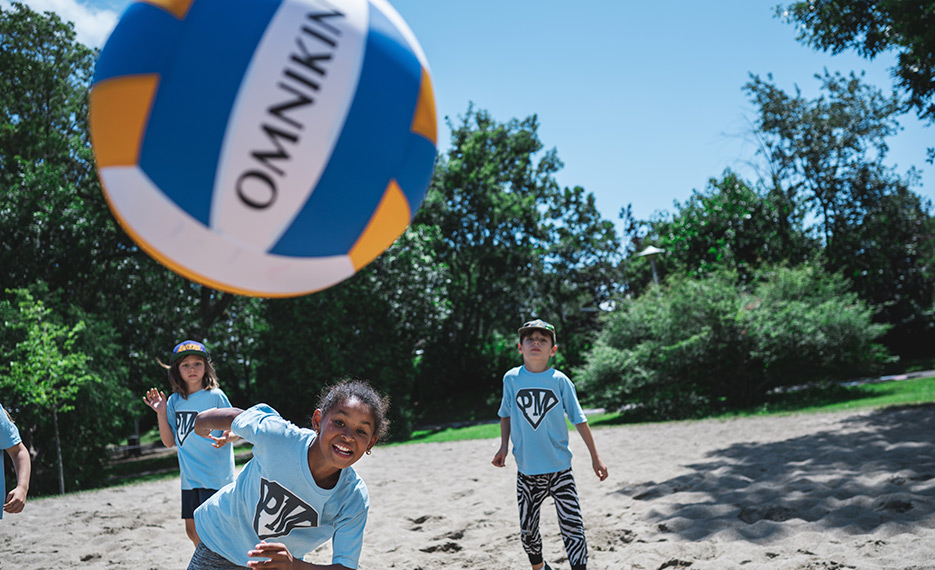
x=818, y=149
x=729, y=226
x=45, y=162
x=885, y=248
x=485, y=199
x=872, y=27
x=45, y=369
x=581, y=273
x=826, y=154
x=515, y=246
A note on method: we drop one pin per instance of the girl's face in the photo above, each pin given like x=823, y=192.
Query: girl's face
x=192, y=371
x=346, y=432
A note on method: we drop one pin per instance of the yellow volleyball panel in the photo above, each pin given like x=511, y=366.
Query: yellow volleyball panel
x=118, y=111
x=178, y=8
x=388, y=223
x=424, y=120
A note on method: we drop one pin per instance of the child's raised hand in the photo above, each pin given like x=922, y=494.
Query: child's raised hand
x=279, y=556
x=156, y=400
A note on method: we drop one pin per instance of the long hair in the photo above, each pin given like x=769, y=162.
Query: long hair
x=208, y=381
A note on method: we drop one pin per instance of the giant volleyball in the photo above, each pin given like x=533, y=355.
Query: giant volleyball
x=263, y=147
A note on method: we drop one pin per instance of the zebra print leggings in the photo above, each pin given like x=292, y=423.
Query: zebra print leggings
x=531, y=491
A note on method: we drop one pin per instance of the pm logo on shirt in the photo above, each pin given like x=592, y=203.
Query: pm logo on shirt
x=184, y=425
x=535, y=403
x=279, y=511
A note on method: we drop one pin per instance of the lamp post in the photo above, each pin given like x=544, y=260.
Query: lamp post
x=651, y=252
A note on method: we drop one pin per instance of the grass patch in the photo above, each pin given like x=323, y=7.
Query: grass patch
x=441, y=435
x=830, y=398
x=847, y=398
x=157, y=467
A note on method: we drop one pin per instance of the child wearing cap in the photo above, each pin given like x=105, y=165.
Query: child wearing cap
x=204, y=465
x=536, y=398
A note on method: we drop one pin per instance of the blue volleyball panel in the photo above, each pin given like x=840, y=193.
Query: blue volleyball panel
x=196, y=93
x=369, y=152
x=139, y=44
x=415, y=174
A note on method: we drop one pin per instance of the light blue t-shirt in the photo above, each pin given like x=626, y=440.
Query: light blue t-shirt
x=201, y=465
x=536, y=403
x=275, y=498
x=9, y=436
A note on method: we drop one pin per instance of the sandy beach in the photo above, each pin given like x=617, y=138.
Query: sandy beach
x=803, y=492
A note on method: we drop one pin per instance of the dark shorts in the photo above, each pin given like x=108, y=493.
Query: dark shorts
x=191, y=498
x=206, y=559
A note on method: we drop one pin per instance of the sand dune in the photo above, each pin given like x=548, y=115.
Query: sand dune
x=826, y=491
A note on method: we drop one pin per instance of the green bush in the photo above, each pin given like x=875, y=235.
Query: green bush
x=696, y=344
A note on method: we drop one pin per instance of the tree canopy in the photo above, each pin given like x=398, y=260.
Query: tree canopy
x=873, y=27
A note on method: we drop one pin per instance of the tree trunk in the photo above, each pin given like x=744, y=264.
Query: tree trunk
x=58, y=452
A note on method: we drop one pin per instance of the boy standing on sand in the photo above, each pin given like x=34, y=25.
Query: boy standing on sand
x=536, y=398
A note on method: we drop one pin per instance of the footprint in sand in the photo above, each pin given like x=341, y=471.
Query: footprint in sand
x=419, y=521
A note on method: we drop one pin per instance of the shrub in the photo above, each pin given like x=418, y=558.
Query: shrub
x=699, y=343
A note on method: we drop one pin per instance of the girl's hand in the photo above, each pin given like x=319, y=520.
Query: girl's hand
x=156, y=400
x=279, y=556
x=226, y=437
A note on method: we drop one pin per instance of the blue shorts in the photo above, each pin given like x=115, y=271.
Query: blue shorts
x=191, y=498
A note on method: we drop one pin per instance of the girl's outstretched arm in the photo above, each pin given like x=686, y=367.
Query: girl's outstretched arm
x=215, y=419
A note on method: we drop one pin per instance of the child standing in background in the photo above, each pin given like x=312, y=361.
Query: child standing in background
x=204, y=466
x=536, y=398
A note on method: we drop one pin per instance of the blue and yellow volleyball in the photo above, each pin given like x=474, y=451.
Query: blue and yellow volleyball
x=267, y=148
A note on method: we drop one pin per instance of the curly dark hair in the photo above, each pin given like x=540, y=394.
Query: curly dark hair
x=360, y=390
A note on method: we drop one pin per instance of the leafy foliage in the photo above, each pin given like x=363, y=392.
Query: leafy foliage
x=730, y=226
x=872, y=27
x=825, y=154
x=62, y=376
x=696, y=344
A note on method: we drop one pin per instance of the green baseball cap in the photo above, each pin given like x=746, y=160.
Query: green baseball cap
x=538, y=324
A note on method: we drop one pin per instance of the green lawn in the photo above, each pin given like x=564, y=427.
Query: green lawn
x=893, y=393
x=876, y=395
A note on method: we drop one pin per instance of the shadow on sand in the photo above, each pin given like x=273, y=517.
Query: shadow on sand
x=867, y=471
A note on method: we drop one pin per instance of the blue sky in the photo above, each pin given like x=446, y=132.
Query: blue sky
x=642, y=100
